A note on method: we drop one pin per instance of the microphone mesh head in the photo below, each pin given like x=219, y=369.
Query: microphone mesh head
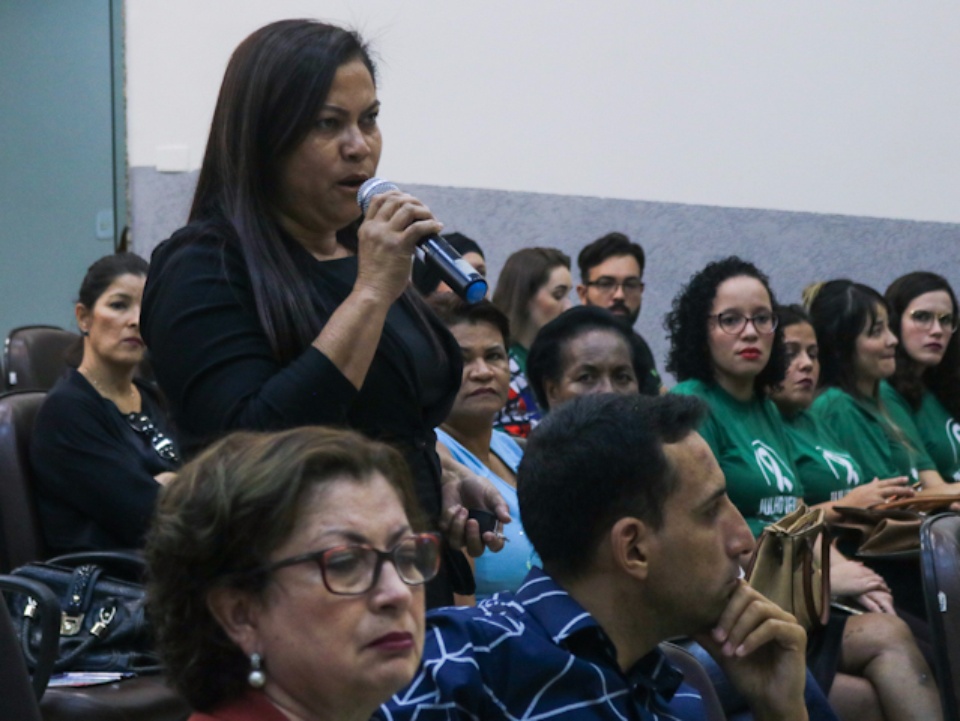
x=371, y=187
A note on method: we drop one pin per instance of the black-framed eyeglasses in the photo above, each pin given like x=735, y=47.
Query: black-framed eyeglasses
x=924, y=320
x=352, y=570
x=607, y=285
x=732, y=322
x=141, y=423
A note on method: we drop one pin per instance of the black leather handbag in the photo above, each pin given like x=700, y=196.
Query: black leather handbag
x=98, y=601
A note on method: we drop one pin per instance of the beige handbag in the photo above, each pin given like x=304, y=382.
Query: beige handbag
x=891, y=529
x=786, y=568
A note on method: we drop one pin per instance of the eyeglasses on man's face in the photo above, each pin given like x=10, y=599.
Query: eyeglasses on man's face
x=607, y=285
x=733, y=322
x=353, y=569
x=924, y=319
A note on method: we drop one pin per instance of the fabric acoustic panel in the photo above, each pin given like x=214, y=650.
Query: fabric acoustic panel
x=794, y=249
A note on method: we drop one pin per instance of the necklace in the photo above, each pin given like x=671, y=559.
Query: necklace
x=124, y=401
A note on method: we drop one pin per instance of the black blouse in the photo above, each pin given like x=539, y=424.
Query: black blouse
x=214, y=362
x=94, y=472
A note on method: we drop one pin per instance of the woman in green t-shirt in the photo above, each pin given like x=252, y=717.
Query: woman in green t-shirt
x=726, y=348
x=857, y=352
x=926, y=383
x=830, y=474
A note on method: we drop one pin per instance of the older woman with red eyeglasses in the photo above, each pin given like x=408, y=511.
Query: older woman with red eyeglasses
x=287, y=577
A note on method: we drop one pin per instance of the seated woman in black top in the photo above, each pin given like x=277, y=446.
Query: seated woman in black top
x=101, y=447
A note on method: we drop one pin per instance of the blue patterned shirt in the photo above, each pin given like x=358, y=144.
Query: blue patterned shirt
x=533, y=655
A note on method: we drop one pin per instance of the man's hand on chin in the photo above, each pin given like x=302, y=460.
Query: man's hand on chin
x=762, y=649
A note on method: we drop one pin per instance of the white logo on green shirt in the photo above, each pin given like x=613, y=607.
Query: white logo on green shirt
x=772, y=466
x=839, y=463
x=953, y=434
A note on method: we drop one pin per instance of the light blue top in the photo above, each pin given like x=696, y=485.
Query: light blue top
x=503, y=571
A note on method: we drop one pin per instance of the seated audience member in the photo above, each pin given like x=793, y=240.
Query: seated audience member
x=427, y=281
x=586, y=351
x=467, y=434
x=286, y=577
x=102, y=447
x=830, y=474
x=627, y=509
x=857, y=351
x=611, y=277
x=727, y=349
x=533, y=289
x=926, y=383
x=583, y=351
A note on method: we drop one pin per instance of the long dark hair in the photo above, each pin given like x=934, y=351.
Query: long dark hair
x=275, y=84
x=686, y=324
x=840, y=310
x=943, y=380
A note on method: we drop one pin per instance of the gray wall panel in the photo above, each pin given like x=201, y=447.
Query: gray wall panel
x=793, y=248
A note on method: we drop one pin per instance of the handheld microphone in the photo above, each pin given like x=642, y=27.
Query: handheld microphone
x=434, y=251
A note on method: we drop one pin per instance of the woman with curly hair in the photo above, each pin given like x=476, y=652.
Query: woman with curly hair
x=926, y=383
x=727, y=348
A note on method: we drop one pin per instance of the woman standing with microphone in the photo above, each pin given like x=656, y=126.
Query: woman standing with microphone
x=279, y=305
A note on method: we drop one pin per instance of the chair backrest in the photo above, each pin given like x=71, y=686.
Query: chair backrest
x=697, y=676
x=20, y=538
x=33, y=357
x=17, y=698
x=940, y=561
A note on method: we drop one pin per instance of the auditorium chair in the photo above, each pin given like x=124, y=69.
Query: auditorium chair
x=18, y=700
x=940, y=561
x=697, y=677
x=145, y=698
x=20, y=538
x=33, y=357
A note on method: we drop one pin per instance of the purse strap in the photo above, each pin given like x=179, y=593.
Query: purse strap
x=127, y=565
x=808, y=575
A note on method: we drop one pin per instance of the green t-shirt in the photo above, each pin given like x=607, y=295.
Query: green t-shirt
x=751, y=446
x=936, y=430
x=866, y=432
x=828, y=473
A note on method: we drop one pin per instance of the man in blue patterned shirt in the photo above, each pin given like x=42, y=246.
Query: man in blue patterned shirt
x=627, y=509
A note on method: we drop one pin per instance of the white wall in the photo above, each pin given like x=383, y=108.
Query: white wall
x=828, y=106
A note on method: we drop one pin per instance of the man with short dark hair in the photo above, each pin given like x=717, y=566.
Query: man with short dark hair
x=627, y=509
x=611, y=277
